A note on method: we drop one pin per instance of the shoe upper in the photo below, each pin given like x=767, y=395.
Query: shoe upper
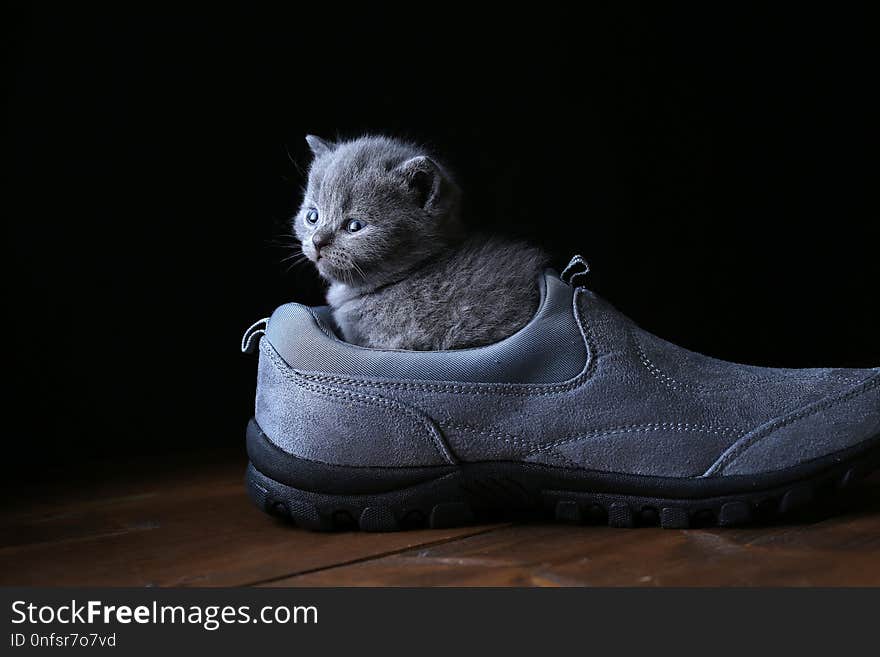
x=581, y=386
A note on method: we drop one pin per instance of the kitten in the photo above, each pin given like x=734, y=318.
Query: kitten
x=380, y=220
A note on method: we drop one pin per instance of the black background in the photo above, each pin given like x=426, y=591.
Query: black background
x=718, y=170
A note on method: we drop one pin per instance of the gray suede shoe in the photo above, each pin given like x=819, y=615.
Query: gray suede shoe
x=580, y=414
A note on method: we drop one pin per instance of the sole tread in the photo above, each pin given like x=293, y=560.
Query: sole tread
x=568, y=511
x=620, y=515
x=732, y=514
x=467, y=499
x=674, y=518
x=378, y=519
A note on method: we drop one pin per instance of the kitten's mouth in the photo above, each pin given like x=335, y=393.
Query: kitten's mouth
x=330, y=267
x=324, y=265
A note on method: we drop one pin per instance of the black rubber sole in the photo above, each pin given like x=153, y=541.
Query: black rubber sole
x=330, y=498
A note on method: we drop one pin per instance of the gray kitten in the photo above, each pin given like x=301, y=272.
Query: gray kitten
x=380, y=220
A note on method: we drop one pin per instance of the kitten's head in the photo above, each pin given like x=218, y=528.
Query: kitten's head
x=374, y=207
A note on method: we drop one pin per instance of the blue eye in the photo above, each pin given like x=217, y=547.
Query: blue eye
x=312, y=216
x=354, y=225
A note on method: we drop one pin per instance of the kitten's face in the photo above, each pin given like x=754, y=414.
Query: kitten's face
x=364, y=217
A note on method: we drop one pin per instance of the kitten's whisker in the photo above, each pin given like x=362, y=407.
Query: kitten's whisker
x=282, y=243
x=294, y=265
x=299, y=257
x=288, y=238
x=359, y=270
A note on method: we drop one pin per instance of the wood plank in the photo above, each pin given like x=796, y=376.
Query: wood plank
x=193, y=525
x=839, y=551
x=189, y=528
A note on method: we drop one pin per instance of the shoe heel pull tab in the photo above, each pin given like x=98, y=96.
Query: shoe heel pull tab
x=575, y=273
x=251, y=338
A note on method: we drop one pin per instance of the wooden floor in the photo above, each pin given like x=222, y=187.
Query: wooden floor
x=194, y=526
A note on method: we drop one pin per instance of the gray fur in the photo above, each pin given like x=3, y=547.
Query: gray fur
x=410, y=278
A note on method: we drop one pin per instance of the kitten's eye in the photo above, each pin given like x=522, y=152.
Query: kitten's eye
x=312, y=216
x=354, y=225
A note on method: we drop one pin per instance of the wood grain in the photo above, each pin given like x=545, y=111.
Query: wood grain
x=194, y=526
x=838, y=551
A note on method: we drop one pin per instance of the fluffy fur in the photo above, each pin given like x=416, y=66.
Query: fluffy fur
x=407, y=276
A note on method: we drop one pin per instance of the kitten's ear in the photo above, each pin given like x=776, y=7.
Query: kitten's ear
x=429, y=183
x=318, y=145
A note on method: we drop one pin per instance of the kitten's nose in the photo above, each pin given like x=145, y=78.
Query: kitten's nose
x=319, y=240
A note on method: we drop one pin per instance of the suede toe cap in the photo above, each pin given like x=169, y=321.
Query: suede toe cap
x=838, y=421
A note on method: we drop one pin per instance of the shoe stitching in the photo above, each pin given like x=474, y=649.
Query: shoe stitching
x=655, y=371
x=597, y=433
x=566, y=460
x=493, y=389
x=379, y=402
x=506, y=437
x=737, y=449
x=684, y=427
x=675, y=384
